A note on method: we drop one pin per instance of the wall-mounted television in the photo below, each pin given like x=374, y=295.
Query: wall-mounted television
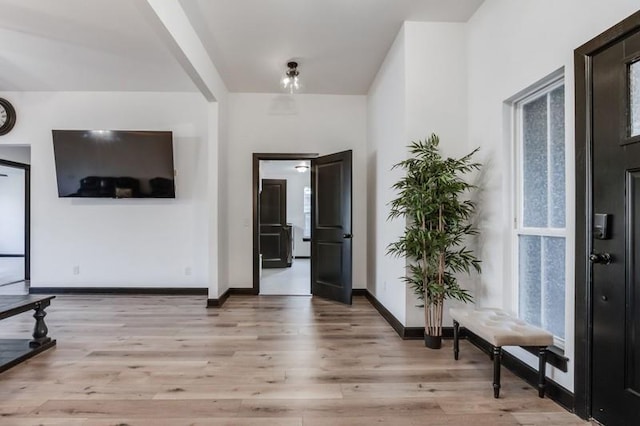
x=114, y=163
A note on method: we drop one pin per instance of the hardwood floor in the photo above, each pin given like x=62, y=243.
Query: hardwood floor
x=272, y=360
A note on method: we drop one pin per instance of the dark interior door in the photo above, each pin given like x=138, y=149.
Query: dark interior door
x=331, y=227
x=273, y=223
x=616, y=236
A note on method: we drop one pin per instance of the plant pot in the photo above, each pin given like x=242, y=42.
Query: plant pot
x=433, y=342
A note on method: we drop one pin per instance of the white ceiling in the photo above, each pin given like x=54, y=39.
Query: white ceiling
x=282, y=167
x=104, y=45
x=108, y=45
x=339, y=44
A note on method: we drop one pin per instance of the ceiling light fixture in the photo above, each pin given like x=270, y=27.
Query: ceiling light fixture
x=291, y=81
x=302, y=167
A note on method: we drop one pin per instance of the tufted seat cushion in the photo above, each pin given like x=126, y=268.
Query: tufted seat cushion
x=501, y=329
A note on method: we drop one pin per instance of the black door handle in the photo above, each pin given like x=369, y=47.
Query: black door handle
x=347, y=235
x=603, y=258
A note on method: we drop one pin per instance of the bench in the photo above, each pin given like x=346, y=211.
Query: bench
x=15, y=351
x=500, y=329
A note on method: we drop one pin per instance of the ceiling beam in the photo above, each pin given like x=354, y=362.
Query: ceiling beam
x=172, y=24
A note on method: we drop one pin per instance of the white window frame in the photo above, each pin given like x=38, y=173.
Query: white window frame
x=305, y=234
x=534, y=92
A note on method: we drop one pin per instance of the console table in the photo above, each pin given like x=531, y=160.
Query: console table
x=15, y=351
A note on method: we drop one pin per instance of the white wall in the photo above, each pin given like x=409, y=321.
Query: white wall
x=386, y=145
x=170, y=20
x=296, y=183
x=219, y=200
x=511, y=46
x=12, y=223
x=436, y=76
x=420, y=89
x=321, y=124
x=123, y=243
x=18, y=154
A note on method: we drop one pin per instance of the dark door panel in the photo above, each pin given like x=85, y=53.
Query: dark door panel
x=616, y=281
x=331, y=242
x=274, y=231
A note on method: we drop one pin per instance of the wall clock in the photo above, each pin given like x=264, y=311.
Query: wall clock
x=7, y=116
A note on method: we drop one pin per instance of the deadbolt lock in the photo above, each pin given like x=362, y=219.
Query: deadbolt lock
x=602, y=258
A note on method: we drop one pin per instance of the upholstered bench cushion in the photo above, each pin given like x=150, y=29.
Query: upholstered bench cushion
x=499, y=328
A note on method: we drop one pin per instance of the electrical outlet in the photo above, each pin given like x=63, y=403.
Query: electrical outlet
x=76, y=270
x=187, y=270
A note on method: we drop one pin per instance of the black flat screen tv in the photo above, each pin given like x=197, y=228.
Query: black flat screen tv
x=114, y=163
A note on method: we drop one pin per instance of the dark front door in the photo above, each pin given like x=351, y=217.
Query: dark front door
x=331, y=227
x=273, y=224
x=616, y=233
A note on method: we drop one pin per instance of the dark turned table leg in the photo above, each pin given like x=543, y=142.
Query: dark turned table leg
x=497, y=354
x=542, y=380
x=456, y=339
x=40, y=330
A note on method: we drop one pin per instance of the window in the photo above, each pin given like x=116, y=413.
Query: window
x=634, y=83
x=540, y=222
x=307, y=212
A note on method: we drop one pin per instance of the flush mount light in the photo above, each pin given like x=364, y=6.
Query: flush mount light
x=302, y=167
x=291, y=81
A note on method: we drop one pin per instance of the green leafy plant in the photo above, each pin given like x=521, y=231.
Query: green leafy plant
x=431, y=199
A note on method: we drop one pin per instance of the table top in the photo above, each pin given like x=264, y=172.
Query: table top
x=12, y=305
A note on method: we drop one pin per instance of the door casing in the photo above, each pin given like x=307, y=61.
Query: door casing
x=584, y=213
x=27, y=213
x=256, y=203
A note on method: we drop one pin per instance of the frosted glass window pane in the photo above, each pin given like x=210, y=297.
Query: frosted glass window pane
x=556, y=149
x=542, y=282
x=534, y=125
x=634, y=79
x=530, y=279
x=553, y=275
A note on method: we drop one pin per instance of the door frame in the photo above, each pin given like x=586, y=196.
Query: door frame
x=27, y=213
x=256, y=203
x=583, y=71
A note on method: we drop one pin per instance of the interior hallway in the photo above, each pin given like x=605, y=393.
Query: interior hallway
x=18, y=288
x=167, y=360
x=293, y=281
x=11, y=269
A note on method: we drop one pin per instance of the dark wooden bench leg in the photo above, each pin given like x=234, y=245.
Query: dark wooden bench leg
x=542, y=380
x=456, y=339
x=497, y=354
x=40, y=330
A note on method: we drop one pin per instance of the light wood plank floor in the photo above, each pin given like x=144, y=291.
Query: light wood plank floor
x=272, y=360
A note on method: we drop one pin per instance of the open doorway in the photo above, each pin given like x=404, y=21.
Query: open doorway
x=284, y=225
x=14, y=219
x=330, y=218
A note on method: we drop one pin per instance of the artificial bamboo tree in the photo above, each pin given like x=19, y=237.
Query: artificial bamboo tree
x=431, y=200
